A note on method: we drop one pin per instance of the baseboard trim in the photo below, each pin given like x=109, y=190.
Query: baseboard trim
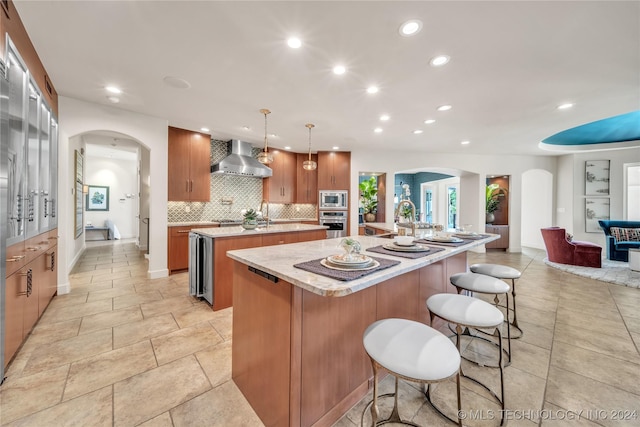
x=157, y=274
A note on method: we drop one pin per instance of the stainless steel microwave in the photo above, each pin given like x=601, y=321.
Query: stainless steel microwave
x=334, y=199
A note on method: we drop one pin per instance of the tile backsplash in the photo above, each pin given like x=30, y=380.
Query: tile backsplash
x=242, y=192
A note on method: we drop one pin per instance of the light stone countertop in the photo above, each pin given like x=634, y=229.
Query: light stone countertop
x=273, y=228
x=279, y=261
x=215, y=223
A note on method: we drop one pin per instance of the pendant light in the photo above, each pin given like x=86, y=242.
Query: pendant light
x=265, y=157
x=309, y=165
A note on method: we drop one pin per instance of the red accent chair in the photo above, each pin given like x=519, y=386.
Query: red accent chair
x=562, y=251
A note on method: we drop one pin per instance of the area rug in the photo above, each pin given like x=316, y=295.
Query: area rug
x=615, y=272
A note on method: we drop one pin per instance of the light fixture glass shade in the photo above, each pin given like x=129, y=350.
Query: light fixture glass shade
x=265, y=157
x=309, y=165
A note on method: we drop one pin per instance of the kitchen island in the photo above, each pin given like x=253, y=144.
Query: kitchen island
x=224, y=239
x=297, y=352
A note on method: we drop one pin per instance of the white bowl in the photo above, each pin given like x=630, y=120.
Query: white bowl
x=403, y=240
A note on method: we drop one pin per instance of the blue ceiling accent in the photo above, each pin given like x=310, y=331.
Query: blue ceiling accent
x=622, y=128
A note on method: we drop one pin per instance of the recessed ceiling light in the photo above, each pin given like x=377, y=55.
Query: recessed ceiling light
x=294, y=42
x=377, y=130
x=113, y=99
x=444, y=108
x=273, y=135
x=205, y=129
x=339, y=69
x=465, y=142
x=429, y=121
x=113, y=89
x=176, y=82
x=372, y=89
x=438, y=61
x=384, y=117
x=410, y=28
x=565, y=106
x=286, y=147
x=335, y=147
x=246, y=128
x=417, y=131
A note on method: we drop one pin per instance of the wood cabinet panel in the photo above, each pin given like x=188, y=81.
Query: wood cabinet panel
x=281, y=186
x=189, y=166
x=503, y=241
x=14, y=314
x=178, y=247
x=16, y=258
x=223, y=266
x=334, y=170
x=263, y=370
x=306, y=181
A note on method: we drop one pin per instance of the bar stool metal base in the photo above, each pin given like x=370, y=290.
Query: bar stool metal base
x=395, y=415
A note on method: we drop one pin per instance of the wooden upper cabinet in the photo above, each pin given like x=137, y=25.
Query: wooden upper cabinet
x=334, y=170
x=189, y=166
x=307, y=181
x=281, y=186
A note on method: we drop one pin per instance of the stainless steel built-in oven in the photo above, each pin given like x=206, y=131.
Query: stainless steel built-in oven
x=334, y=199
x=336, y=221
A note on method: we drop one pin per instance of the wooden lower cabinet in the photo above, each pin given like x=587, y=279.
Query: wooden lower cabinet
x=307, y=350
x=28, y=291
x=223, y=265
x=503, y=241
x=178, y=250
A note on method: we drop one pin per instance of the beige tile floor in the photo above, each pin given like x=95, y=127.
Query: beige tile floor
x=123, y=350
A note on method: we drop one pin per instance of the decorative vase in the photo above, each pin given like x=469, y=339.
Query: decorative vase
x=249, y=224
x=490, y=217
x=370, y=217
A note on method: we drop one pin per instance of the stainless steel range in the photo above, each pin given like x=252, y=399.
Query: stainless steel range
x=336, y=221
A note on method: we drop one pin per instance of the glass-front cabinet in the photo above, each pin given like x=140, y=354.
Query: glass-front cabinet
x=32, y=156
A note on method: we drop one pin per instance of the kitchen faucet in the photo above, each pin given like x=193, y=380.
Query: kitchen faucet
x=266, y=218
x=413, y=213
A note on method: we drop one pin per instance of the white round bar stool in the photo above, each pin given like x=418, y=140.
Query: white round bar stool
x=412, y=351
x=503, y=272
x=470, y=312
x=483, y=284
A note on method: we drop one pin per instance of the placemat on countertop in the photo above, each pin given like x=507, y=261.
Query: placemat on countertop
x=405, y=254
x=431, y=242
x=314, y=266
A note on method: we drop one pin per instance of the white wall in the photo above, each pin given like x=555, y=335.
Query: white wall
x=120, y=175
x=575, y=224
x=79, y=117
x=471, y=168
x=537, y=206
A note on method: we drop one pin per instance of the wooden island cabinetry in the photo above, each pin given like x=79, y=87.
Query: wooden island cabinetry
x=281, y=186
x=334, y=170
x=307, y=181
x=189, y=166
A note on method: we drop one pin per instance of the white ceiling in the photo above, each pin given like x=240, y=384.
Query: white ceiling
x=511, y=64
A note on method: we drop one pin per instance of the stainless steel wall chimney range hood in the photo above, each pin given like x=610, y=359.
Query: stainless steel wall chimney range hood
x=239, y=161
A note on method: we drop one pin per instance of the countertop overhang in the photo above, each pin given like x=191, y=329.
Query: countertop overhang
x=279, y=261
x=273, y=228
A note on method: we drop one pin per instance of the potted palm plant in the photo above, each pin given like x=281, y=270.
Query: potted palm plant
x=369, y=198
x=492, y=192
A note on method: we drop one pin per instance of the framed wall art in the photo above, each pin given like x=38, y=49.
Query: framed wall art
x=98, y=198
x=77, y=192
x=595, y=209
x=596, y=178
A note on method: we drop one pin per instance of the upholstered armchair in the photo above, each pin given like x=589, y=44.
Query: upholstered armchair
x=563, y=251
x=621, y=236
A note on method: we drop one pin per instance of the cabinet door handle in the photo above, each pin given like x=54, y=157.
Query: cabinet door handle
x=29, y=276
x=184, y=231
x=52, y=260
x=191, y=186
x=33, y=248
